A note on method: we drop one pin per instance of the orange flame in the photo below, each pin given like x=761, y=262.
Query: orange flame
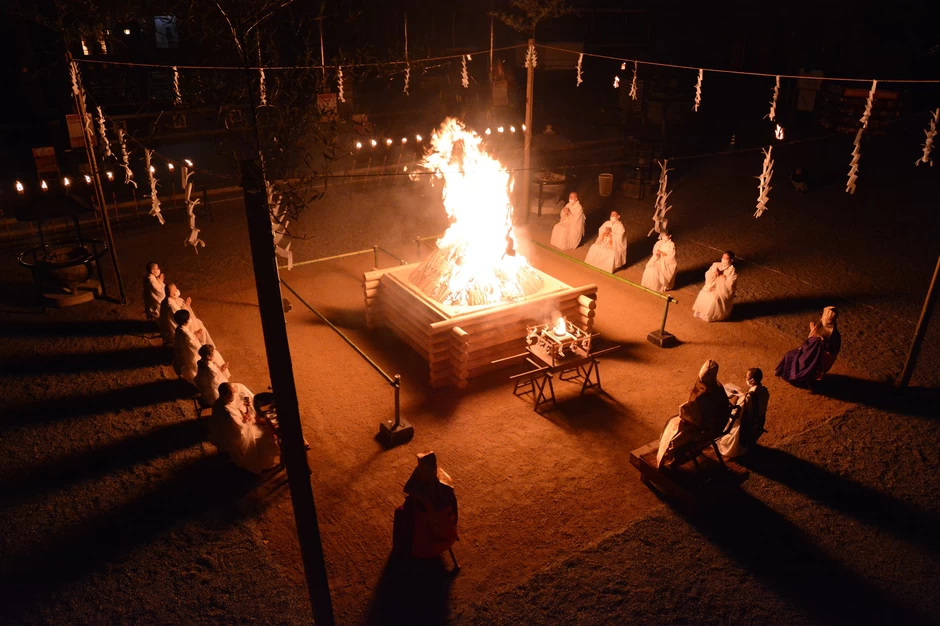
x=561, y=327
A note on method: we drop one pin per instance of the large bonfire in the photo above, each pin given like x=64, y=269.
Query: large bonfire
x=475, y=262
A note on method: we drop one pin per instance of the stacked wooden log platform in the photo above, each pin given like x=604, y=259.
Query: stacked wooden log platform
x=460, y=343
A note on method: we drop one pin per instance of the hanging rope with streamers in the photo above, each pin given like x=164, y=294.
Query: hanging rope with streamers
x=105, y=144
x=154, y=200
x=930, y=132
x=633, y=83
x=698, y=91
x=580, y=58
x=763, y=185
x=339, y=84
x=772, y=116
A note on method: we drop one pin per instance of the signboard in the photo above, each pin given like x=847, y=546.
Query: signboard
x=500, y=93
x=45, y=162
x=327, y=103
x=76, y=132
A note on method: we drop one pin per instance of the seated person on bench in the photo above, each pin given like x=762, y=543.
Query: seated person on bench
x=700, y=420
x=232, y=429
x=209, y=376
x=749, y=426
x=426, y=524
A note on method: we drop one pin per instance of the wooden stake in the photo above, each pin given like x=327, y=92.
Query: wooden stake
x=921, y=330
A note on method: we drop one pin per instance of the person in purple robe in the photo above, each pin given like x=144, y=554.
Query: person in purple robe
x=806, y=365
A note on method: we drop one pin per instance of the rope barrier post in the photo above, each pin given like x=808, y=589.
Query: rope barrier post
x=397, y=431
x=375, y=256
x=660, y=337
x=418, y=248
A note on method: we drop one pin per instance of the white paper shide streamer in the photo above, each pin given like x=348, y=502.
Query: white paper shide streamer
x=339, y=84
x=616, y=82
x=772, y=116
x=104, y=135
x=763, y=184
x=660, y=221
x=698, y=91
x=531, y=58
x=633, y=83
x=279, y=224
x=154, y=200
x=125, y=159
x=464, y=77
x=262, y=88
x=193, y=239
x=930, y=132
x=857, y=144
x=177, y=97
x=580, y=58
x=79, y=90
x=407, y=78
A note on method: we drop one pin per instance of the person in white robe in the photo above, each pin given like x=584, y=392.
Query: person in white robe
x=660, y=272
x=172, y=303
x=209, y=376
x=186, y=349
x=154, y=291
x=752, y=415
x=715, y=300
x=567, y=233
x=234, y=430
x=609, y=251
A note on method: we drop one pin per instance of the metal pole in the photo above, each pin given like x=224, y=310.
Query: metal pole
x=418, y=248
x=281, y=369
x=921, y=330
x=491, y=50
x=527, y=151
x=397, y=400
x=322, y=55
x=375, y=257
x=99, y=190
x=662, y=328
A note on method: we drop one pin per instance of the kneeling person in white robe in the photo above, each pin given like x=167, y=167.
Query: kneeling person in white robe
x=715, y=300
x=567, y=233
x=233, y=430
x=660, y=272
x=610, y=250
x=172, y=303
x=154, y=290
x=209, y=376
x=752, y=415
x=186, y=349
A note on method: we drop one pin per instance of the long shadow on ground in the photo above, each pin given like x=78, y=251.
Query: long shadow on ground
x=63, y=472
x=781, y=306
x=913, y=401
x=411, y=591
x=207, y=484
x=70, y=363
x=77, y=405
x=776, y=551
x=835, y=492
x=690, y=276
x=45, y=328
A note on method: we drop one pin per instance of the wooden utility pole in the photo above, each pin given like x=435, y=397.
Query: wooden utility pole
x=527, y=151
x=323, y=88
x=281, y=370
x=921, y=330
x=99, y=190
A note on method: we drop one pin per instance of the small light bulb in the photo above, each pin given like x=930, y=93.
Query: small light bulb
x=358, y=145
x=152, y=169
x=487, y=132
x=623, y=66
x=188, y=162
x=19, y=186
x=406, y=168
x=87, y=179
x=404, y=140
x=66, y=181
x=110, y=175
x=169, y=166
x=523, y=128
x=499, y=130
x=418, y=138
x=388, y=142
x=512, y=129
x=374, y=143
x=44, y=186
x=127, y=31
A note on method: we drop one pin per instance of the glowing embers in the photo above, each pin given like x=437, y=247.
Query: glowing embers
x=559, y=340
x=476, y=262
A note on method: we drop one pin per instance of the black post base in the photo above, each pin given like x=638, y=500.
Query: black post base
x=662, y=339
x=391, y=436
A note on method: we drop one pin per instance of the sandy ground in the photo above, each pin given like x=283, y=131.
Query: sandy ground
x=116, y=511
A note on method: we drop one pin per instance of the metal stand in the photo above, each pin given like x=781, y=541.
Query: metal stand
x=397, y=431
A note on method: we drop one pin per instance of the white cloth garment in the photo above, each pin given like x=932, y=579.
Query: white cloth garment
x=154, y=292
x=232, y=429
x=168, y=308
x=752, y=415
x=609, y=251
x=715, y=300
x=660, y=272
x=186, y=353
x=567, y=233
x=208, y=378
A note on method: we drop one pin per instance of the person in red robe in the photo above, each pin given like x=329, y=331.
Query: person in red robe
x=426, y=524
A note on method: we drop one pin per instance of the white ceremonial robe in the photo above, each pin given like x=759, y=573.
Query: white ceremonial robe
x=568, y=232
x=168, y=308
x=186, y=354
x=660, y=272
x=208, y=378
x=715, y=300
x=753, y=412
x=609, y=251
x=154, y=293
x=234, y=432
